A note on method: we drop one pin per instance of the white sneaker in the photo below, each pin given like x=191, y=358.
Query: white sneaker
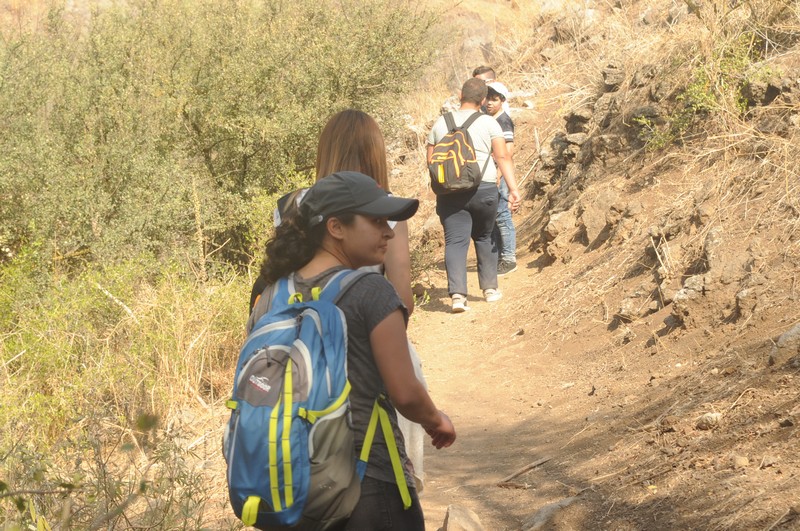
x=459, y=303
x=492, y=295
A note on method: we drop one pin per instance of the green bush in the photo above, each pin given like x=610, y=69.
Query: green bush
x=142, y=149
x=713, y=88
x=158, y=127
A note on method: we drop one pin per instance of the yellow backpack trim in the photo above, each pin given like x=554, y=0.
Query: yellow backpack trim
x=298, y=297
x=379, y=414
x=273, y=458
x=313, y=415
x=250, y=510
x=287, y=429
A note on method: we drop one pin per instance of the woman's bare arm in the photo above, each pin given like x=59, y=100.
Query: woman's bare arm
x=397, y=264
x=390, y=350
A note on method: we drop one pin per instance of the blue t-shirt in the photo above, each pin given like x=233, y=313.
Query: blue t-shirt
x=506, y=124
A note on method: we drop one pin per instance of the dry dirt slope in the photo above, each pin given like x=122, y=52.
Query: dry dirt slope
x=539, y=375
x=636, y=347
x=549, y=372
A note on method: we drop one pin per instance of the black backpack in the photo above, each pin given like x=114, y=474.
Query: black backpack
x=454, y=166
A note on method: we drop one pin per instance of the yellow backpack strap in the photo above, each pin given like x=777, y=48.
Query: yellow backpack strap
x=370, y=435
x=315, y=291
x=287, y=429
x=379, y=415
x=313, y=415
x=250, y=510
x=394, y=455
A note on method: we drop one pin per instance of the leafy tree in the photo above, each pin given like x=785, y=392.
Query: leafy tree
x=160, y=126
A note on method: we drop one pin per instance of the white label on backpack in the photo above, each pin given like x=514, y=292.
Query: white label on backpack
x=260, y=382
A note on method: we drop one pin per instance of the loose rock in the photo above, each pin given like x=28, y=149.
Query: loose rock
x=787, y=347
x=543, y=515
x=460, y=518
x=740, y=461
x=708, y=421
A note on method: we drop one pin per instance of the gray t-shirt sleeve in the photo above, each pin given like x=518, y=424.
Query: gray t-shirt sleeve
x=369, y=301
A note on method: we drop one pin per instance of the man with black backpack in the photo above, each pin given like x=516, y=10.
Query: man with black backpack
x=466, y=190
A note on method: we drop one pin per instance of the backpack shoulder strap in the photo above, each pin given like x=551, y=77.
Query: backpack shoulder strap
x=274, y=296
x=469, y=121
x=350, y=279
x=279, y=294
x=450, y=122
x=485, y=164
x=338, y=285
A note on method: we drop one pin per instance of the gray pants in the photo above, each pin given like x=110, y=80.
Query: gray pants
x=468, y=216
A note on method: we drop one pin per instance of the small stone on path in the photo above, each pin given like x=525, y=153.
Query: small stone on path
x=460, y=518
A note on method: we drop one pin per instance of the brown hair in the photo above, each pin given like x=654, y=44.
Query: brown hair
x=484, y=70
x=473, y=91
x=352, y=141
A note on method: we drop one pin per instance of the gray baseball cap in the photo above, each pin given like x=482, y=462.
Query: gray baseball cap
x=350, y=192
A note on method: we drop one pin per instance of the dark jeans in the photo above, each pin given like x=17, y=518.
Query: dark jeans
x=464, y=216
x=504, y=233
x=381, y=508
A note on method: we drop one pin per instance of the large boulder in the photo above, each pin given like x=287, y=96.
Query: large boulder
x=598, y=213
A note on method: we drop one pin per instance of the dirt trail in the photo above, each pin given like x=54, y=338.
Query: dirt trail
x=509, y=401
x=512, y=379
x=540, y=375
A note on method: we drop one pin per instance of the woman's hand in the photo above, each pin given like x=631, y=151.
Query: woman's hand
x=442, y=434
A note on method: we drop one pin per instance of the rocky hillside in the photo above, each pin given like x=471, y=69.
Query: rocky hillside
x=657, y=144
x=664, y=130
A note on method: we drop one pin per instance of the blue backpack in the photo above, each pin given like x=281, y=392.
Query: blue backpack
x=289, y=445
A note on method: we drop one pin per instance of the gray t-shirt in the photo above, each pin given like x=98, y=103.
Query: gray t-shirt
x=367, y=302
x=482, y=131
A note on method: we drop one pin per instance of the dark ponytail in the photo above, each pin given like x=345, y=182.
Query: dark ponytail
x=294, y=245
